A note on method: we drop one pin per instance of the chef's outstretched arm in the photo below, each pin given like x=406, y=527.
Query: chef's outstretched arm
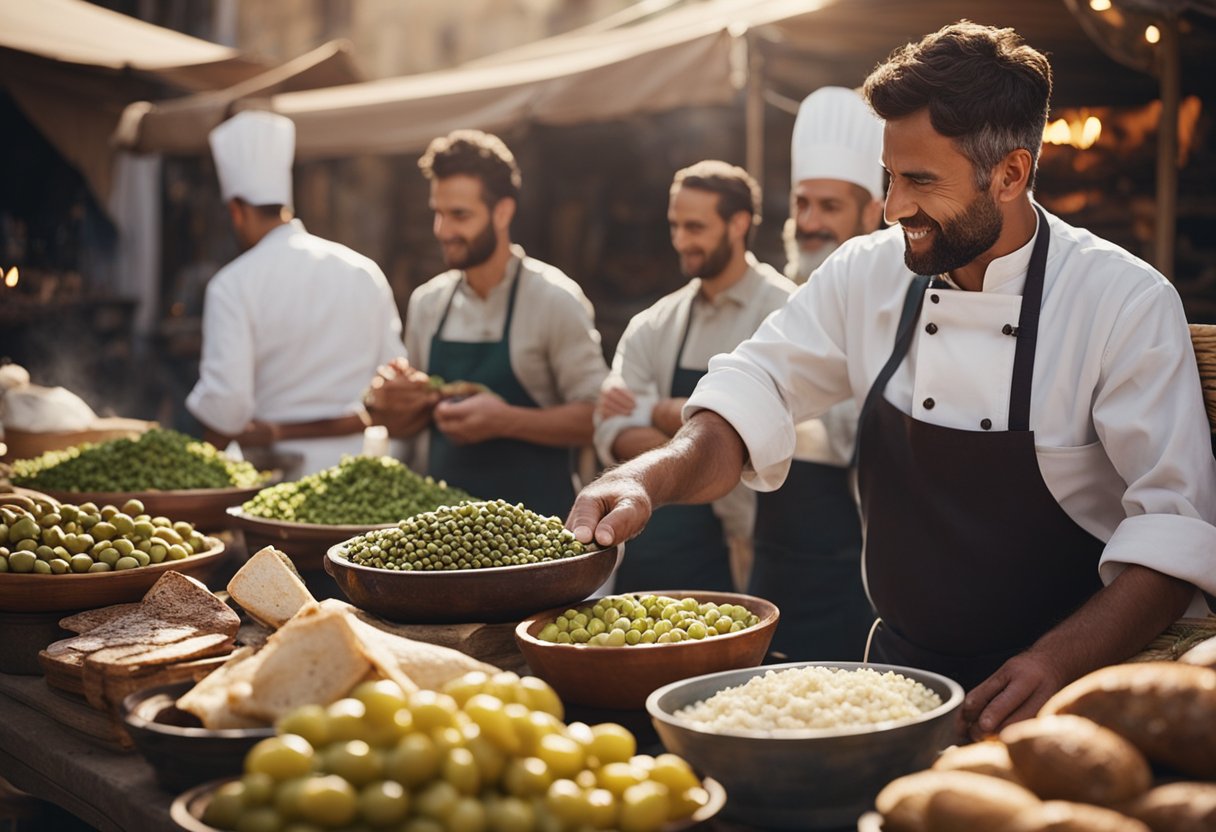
x=702, y=462
x=1113, y=625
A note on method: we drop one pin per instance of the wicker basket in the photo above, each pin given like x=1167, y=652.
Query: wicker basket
x=1203, y=338
x=1179, y=637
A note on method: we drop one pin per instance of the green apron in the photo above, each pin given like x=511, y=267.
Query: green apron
x=507, y=469
x=682, y=547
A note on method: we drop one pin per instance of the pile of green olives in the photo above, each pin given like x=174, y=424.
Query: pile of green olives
x=468, y=536
x=56, y=540
x=159, y=460
x=489, y=754
x=626, y=620
x=362, y=491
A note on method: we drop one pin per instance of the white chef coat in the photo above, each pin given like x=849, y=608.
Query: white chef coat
x=646, y=356
x=293, y=331
x=1121, y=435
x=555, y=348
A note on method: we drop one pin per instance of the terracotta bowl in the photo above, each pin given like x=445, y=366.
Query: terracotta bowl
x=622, y=677
x=181, y=751
x=187, y=810
x=204, y=507
x=305, y=543
x=804, y=779
x=470, y=596
x=30, y=592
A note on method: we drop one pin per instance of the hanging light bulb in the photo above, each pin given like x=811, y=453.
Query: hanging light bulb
x=1100, y=5
x=1152, y=34
x=1090, y=131
x=10, y=279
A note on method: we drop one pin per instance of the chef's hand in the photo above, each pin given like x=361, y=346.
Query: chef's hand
x=610, y=510
x=667, y=415
x=257, y=434
x=1014, y=692
x=401, y=398
x=615, y=400
x=475, y=419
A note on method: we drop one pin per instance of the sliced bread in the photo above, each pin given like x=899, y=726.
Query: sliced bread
x=269, y=588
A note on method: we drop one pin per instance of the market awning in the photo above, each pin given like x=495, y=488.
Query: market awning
x=72, y=67
x=691, y=55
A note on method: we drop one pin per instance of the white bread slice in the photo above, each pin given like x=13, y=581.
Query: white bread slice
x=208, y=700
x=269, y=589
x=313, y=659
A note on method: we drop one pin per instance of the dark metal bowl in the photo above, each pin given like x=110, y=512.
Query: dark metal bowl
x=470, y=596
x=807, y=779
x=180, y=750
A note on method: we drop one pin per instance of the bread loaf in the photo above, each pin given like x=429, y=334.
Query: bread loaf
x=1071, y=758
x=1176, y=807
x=1166, y=709
x=990, y=757
x=986, y=802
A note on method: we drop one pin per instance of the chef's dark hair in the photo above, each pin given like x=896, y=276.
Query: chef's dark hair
x=984, y=88
x=474, y=153
x=736, y=189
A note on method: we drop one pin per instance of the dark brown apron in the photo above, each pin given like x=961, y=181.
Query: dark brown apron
x=968, y=557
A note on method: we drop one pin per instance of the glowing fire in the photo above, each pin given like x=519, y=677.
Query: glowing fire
x=1078, y=133
x=10, y=279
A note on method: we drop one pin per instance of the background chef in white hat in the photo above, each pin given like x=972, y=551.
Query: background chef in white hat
x=807, y=541
x=836, y=173
x=294, y=326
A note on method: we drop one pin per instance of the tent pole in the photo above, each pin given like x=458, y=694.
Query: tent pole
x=1167, y=147
x=754, y=114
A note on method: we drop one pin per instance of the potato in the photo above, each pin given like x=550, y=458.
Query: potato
x=1176, y=807
x=990, y=757
x=1071, y=758
x=1166, y=709
x=904, y=803
x=1062, y=816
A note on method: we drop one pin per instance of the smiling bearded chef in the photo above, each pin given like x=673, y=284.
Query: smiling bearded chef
x=1036, y=475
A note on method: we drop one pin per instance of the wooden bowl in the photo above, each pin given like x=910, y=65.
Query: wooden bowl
x=305, y=543
x=30, y=592
x=204, y=507
x=622, y=677
x=181, y=751
x=187, y=809
x=470, y=596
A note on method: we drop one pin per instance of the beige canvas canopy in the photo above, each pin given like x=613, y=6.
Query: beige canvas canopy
x=72, y=67
x=695, y=55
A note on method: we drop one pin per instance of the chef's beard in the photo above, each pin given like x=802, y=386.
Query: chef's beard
x=714, y=263
x=962, y=239
x=476, y=251
x=800, y=264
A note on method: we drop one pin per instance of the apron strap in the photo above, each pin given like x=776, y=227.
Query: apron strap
x=447, y=307
x=1028, y=330
x=675, y=366
x=913, y=302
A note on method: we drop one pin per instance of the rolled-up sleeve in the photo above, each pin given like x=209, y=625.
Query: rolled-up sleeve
x=223, y=398
x=575, y=352
x=792, y=369
x=634, y=366
x=1149, y=415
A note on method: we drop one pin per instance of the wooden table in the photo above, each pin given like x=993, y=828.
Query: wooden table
x=114, y=791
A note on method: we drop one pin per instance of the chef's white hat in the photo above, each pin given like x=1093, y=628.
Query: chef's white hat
x=837, y=136
x=253, y=152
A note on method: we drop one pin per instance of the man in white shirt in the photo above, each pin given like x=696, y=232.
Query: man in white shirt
x=808, y=532
x=664, y=352
x=500, y=319
x=294, y=327
x=1037, y=481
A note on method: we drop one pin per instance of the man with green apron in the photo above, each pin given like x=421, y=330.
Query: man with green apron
x=662, y=355
x=808, y=531
x=500, y=319
x=1036, y=475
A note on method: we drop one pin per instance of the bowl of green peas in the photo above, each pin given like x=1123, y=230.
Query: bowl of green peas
x=473, y=563
x=642, y=641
